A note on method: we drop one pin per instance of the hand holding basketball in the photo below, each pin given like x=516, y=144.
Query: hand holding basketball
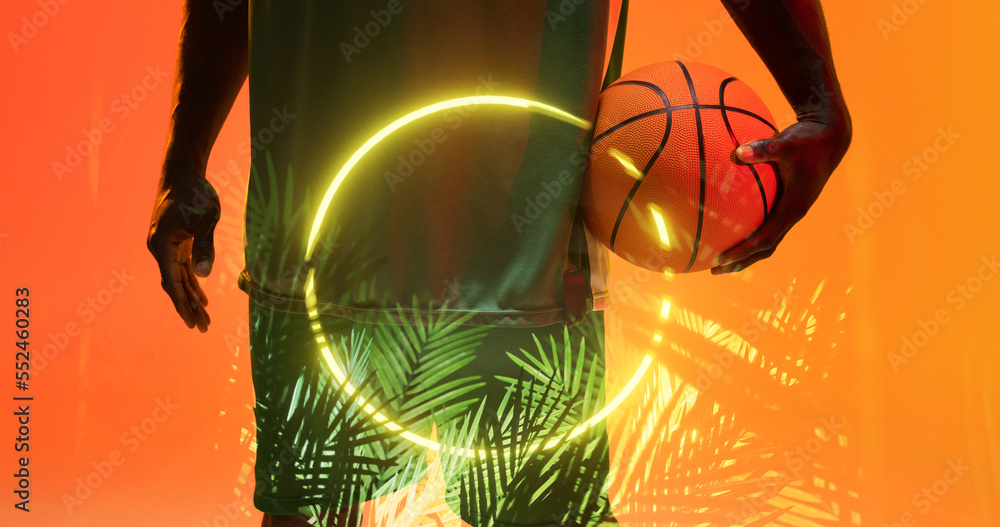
x=663, y=189
x=805, y=154
x=688, y=172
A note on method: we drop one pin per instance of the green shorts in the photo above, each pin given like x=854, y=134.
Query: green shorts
x=501, y=400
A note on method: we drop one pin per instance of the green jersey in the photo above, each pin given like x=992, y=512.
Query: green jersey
x=472, y=208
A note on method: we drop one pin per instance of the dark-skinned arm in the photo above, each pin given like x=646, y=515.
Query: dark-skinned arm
x=790, y=36
x=211, y=69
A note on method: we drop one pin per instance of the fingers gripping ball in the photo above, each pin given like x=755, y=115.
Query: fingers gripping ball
x=664, y=190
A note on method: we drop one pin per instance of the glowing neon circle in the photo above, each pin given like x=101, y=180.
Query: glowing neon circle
x=310, y=287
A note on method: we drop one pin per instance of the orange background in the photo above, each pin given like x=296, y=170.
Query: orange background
x=66, y=239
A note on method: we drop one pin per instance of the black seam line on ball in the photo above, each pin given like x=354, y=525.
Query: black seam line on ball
x=701, y=166
x=666, y=134
x=669, y=109
x=736, y=143
x=656, y=89
x=633, y=119
x=728, y=109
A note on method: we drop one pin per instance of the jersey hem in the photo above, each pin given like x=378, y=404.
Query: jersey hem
x=403, y=315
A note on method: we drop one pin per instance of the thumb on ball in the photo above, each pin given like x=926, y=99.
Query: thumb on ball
x=757, y=151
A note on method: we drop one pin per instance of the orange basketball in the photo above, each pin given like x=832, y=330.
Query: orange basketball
x=663, y=189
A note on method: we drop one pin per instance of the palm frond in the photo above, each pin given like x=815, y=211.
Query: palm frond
x=710, y=442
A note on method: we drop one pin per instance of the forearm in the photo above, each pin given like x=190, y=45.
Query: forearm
x=211, y=69
x=790, y=36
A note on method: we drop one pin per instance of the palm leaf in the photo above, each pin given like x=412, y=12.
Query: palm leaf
x=716, y=455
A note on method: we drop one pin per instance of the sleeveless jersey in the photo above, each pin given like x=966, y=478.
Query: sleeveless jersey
x=472, y=209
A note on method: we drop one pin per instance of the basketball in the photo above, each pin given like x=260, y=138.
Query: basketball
x=664, y=189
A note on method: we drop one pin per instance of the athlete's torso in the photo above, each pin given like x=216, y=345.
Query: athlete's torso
x=473, y=205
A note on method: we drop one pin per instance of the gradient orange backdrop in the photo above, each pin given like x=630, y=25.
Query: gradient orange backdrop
x=912, y=72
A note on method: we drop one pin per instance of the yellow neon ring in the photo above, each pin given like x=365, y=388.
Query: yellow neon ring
x=310, y=289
